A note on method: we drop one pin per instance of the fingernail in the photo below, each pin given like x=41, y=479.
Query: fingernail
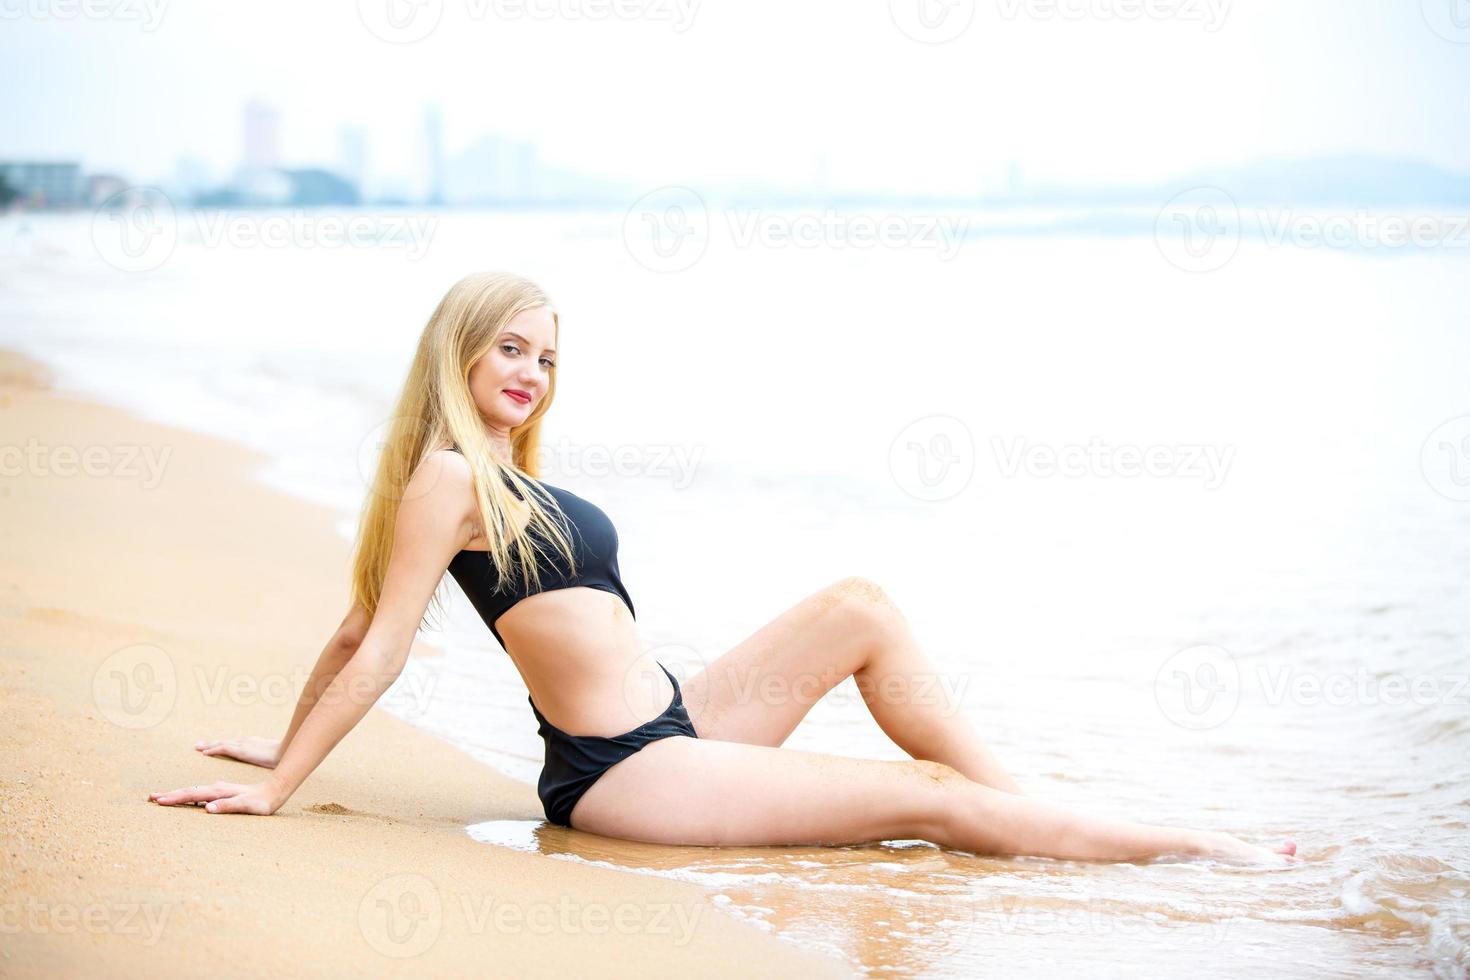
x=210, y=808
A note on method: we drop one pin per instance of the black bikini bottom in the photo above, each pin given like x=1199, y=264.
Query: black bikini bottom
x=575, y=762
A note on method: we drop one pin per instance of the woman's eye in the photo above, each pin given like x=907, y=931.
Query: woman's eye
x=513, y=349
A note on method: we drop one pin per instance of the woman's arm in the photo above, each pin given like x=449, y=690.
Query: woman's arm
x=434, y=522
x=338, y=651
x=349, y=695
x=266, y=752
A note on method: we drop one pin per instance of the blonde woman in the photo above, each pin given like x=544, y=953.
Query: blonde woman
x=456, y=491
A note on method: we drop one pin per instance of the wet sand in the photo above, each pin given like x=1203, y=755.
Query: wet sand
x=155, y=594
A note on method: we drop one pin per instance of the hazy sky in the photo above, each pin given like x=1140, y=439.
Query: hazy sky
x=1069, y=89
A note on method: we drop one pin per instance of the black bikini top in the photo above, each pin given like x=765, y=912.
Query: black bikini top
x=594, y=543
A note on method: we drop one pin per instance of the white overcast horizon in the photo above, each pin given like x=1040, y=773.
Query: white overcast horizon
x=1065, y=91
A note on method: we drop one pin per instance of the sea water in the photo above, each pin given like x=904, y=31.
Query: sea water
x=1190, y=543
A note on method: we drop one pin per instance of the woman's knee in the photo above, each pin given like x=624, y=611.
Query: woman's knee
x=863, y=599
x=939, y=791
x=867, y=614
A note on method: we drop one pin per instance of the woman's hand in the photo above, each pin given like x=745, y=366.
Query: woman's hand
x=257, y=751
x=260, y=799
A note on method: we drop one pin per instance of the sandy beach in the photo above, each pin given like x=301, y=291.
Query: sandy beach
x=155, y=594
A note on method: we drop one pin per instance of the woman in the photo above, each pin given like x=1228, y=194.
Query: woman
x=455, y=490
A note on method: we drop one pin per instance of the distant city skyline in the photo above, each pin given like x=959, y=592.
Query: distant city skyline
x=771, y=94
x=494, y=169
x=491, y=169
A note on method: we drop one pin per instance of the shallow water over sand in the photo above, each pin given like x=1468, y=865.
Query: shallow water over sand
x=1268, y=634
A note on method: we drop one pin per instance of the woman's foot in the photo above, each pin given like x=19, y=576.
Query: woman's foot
x=1232, y=849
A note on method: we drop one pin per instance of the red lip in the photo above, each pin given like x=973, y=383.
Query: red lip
x=519, y=395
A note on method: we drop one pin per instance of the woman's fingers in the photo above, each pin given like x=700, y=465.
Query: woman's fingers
x=204, y=745
x=192, y=794
x=253, y=749
x=175, y=797
x=236, y=803
x=221, y=798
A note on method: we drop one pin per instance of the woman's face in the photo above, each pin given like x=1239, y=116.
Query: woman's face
x=512, y=377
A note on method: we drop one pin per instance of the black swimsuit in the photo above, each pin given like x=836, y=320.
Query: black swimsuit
x=573, y=762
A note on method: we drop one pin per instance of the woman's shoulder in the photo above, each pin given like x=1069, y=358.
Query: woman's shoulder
x=452, y=452
x=446, y=456
x=447, y=475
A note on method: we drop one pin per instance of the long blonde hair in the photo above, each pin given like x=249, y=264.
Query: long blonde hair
x=435, y=408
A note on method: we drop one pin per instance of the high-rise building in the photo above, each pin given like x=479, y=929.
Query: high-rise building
x=45, y=184
x=434, y=145
x=262, y=136
x=353, y=153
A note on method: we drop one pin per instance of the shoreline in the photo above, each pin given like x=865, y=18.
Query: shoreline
x=142, y=615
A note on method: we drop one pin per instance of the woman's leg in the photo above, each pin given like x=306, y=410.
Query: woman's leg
x=700, y=791
x=759, y=691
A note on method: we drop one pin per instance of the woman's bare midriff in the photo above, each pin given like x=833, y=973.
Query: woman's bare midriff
x=578, y=651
